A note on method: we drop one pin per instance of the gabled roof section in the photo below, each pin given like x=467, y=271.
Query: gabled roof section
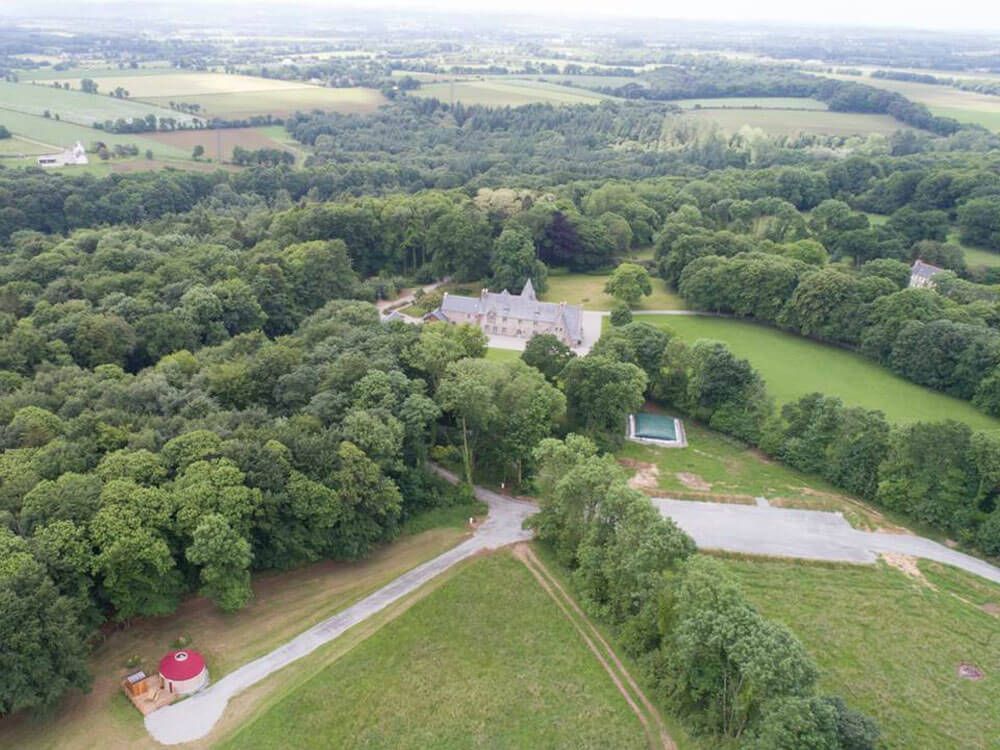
x=924, y=270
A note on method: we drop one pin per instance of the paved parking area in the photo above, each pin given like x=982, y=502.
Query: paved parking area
x=806, y=534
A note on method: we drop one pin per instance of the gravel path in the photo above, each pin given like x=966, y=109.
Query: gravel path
x=807, y=534
x=194, y=718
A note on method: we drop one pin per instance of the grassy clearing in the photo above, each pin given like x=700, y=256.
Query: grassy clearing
x=494, y=92
x=891, y=644
x=588, y=290
x=281, y=101
x=754, y=102
x=76, y=106
x=463, y=667
x=793, y=366
x=792, y=122
x=715, y=467
x=285, y=604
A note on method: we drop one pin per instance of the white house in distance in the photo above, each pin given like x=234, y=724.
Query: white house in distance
x=922, y=275
x=516, y=315
x=74, y=155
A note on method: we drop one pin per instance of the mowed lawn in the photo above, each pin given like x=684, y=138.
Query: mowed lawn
x=284, y=604
x=507, y=93
x=891, y=644
x=588, y=290
x=792, y=122
x=486, y=660
x=793, y=366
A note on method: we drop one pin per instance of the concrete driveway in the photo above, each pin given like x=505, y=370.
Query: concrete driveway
x=806, y=534
x=194, y=718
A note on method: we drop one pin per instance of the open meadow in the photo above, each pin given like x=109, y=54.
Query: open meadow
x=892, y=643
x=284, y=604
x=793, y=366
x=496, y=92
x=220, y=142
x=485, y=660
x=753, y=102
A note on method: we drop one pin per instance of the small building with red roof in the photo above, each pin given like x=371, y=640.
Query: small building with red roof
x=183, y=671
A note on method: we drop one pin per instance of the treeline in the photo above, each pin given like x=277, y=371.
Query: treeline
x=945, y=338
x=981, y=86
x=712, y=77
x=731, y=672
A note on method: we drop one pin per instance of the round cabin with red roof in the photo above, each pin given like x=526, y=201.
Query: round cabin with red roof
x=183, y=671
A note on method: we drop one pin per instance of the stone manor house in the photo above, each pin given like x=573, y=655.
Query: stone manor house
x=516, y=315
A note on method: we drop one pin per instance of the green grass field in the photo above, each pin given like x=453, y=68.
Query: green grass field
x=486, y=660
x=946, y=101
x=793, y=366
x=754, y=102
x=76, y=106
x=792, y=122
x=588, y=290
x=495, y=92
x=715, y=467
x=13, y=147
x=61, y=134
x=891, y=644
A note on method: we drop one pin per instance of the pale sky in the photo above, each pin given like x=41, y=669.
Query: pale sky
x=973, y=15
x=952, y=15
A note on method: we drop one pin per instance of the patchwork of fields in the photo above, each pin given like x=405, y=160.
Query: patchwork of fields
x=793, y=366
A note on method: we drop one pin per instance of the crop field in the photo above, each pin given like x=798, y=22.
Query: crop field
x=495, y=92
x=485, y=660
x=285, y=603
x=282, y=102
x=946, y=101
x=718, y=468
x=224, y=95
x=588, y=290
x=793, y=366
x=218, y=143
x=754, y=102
x=892, y=643
x=75, y=106
x=792, y=122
